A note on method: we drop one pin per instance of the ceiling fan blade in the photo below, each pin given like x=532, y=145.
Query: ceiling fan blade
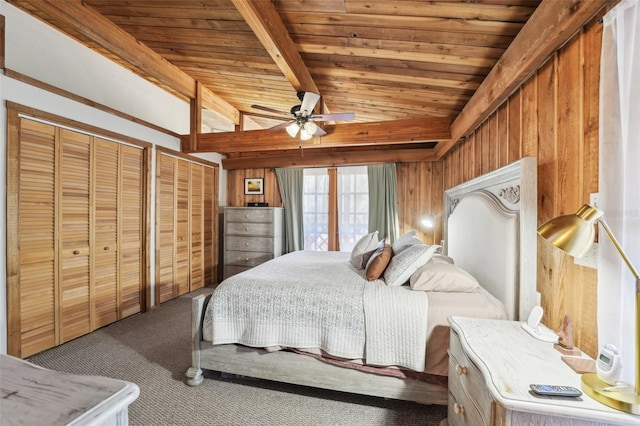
x=344, y=116
x=275, y=111
x=309, y=103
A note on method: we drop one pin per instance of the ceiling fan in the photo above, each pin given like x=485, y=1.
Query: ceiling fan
x=302, y=119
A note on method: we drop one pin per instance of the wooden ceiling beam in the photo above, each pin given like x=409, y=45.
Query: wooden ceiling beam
x=315, y=157
x=347, y=134
x=263, y=19
x=549, y=27
x=99, y=29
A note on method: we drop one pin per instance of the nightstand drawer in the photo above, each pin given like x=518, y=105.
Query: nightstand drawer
x=236, y=228
x=245, y=258
x=249, y=215
x=257, y=244
x=461, y=411
x=467, y=387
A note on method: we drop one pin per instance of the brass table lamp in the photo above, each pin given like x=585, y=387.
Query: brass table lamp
x=574, y=234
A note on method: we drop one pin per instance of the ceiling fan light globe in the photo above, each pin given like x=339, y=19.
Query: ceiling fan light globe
x=310, y=127
x=304, y=135
x=292, y=129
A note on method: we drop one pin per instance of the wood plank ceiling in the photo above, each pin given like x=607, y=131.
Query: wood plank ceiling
x=407, y=69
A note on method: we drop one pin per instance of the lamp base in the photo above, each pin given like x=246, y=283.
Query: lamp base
x=624, y=399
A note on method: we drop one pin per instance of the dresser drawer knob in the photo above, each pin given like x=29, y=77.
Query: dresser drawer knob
x=246, y=259
x=461, y=370
x=246, y=244
x=246, y=229
x=458, y=409
x=247, y=216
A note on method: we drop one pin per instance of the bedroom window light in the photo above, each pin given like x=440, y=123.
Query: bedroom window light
x=315, y=209
x=335, y=207
x=353, y=205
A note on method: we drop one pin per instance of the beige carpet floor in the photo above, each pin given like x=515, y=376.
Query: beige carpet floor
x=153, y=351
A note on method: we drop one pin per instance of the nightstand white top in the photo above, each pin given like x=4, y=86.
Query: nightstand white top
x=32, y=395
x=510, y=360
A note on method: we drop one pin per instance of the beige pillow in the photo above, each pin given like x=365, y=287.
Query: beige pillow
x=378, y=262
x=363, y=250
x=442, y=258
x=442, y=276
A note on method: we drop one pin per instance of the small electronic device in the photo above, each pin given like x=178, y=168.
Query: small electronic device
x=534, y=327
x=609, y=364
x=553, y=390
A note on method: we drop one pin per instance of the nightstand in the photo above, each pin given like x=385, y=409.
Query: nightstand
x=32, y=395
x=491, y=365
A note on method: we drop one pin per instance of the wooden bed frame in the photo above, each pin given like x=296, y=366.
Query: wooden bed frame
x=510, y=196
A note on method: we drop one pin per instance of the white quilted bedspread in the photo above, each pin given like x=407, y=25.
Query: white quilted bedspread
x=318, y=300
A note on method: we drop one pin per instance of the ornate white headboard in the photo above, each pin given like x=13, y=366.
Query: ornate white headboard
x=490, y=231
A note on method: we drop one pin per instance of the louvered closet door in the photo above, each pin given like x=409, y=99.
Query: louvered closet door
x=209, y=220
x=105, y=259
x=166, y=223
x=183, y=229
x=197, y=226
x=37, y=261
x=75, y=231
x=131, y=229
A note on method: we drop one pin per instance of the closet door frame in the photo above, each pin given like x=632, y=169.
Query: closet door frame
x=15, y=112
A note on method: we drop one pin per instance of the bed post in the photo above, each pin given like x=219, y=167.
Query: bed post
x=194, y=373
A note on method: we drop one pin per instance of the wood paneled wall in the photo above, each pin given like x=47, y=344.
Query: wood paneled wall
x=235, y=187
x=554, y=117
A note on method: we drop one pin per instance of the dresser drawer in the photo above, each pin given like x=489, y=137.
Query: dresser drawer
x=258, y=244
x=467, y=389
x=249, y=215
x=245, y=258
x=260, y=229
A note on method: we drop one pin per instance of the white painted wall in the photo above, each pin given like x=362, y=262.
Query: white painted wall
x=38, y=51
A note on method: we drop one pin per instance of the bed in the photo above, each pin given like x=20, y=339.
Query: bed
x=490, y=232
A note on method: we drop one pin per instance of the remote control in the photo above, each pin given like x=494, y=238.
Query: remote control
x=551, y=390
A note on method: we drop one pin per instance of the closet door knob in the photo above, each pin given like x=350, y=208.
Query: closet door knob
x=458, y=409
x=76, y=252
x=106, y=248
x=461, y=370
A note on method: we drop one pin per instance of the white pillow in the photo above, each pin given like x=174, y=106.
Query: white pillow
x=363, y=250
x=443, y=276
x=405, y=241
x=403, y=265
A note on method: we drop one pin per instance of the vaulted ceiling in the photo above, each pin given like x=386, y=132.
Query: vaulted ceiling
x=418, y=75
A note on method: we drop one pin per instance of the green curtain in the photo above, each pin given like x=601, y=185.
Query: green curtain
x=290, y=182
x=383, y=211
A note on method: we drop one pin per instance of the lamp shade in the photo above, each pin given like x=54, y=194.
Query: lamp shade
x=292, y=129
x=310, y=127
x=572, y=233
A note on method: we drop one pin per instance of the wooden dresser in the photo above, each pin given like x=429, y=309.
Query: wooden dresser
x=491, y=365
x=252, y=235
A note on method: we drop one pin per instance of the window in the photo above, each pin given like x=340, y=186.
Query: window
x=351, y=216
x=315, y=209
x=353, y=205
